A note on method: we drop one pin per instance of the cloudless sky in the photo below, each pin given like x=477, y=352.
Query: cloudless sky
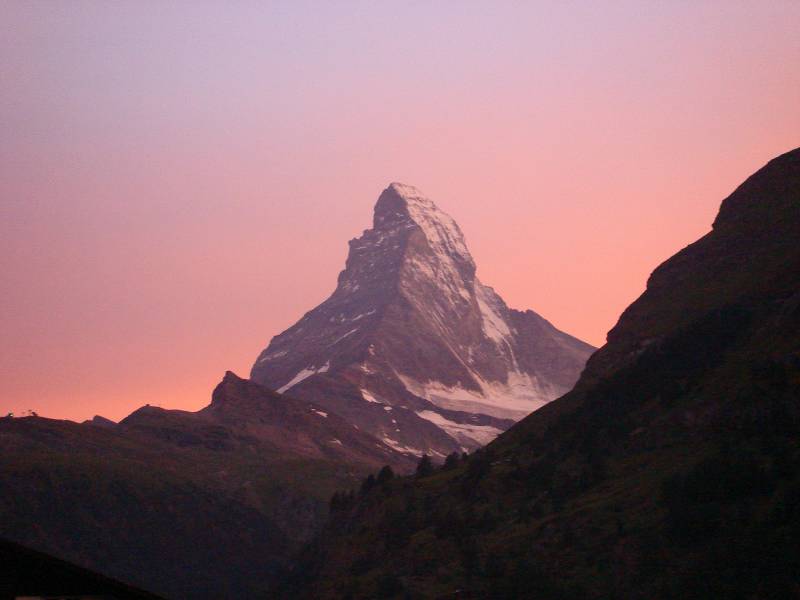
x=178, y=181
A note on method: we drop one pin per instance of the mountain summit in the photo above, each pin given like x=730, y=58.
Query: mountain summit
x=412, y=347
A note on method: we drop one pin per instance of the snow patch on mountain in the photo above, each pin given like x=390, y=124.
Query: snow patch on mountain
x=346, y=335
x=304, y=374
x=514, y=399
x=494, y=326
x=362, y=315
x=400, y=447
x=369, y=397
x=366, y=368
x=273, y=356
x=463, y=432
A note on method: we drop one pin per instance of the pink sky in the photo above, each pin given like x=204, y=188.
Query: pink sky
x=178, y=181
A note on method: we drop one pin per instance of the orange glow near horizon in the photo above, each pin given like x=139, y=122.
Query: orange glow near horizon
x=179, y=183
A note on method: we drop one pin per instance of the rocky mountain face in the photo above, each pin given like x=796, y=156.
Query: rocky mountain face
x=671, y=470
x=206, y=504
x=413, y=348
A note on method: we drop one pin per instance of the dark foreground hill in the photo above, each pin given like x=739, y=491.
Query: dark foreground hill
x=672, y=470
x=189, y=505
x=30, y=574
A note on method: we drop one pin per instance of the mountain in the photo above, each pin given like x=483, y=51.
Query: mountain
x=671, y=470
x=412, y=347
x=203, y=504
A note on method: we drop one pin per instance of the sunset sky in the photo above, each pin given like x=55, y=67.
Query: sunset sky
x=178, y=181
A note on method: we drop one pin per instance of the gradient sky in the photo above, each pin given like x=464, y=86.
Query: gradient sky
x=178, y=181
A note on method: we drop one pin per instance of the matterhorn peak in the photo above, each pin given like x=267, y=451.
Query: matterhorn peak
x=412, y=348
x=408, y=191
x=418, y=205
x=401, y=203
